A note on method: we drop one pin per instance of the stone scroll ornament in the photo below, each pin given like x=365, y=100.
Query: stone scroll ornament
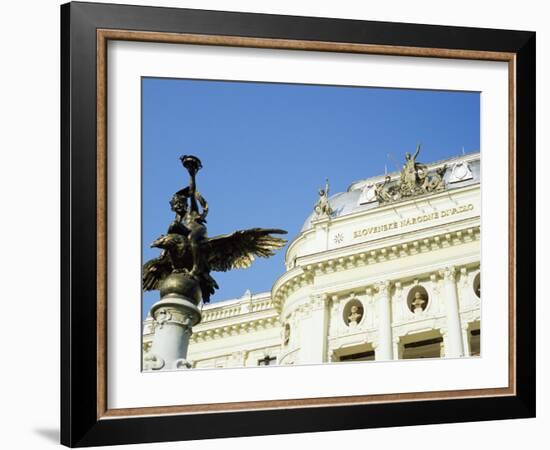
x=182, y=270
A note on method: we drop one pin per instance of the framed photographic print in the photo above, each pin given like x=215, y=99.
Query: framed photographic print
x=277, y=224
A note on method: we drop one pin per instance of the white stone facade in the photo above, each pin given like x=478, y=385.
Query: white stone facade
x=371, y=282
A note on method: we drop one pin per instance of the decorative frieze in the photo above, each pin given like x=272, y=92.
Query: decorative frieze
x=306, y=276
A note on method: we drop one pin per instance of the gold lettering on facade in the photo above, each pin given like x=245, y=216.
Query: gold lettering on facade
x=412, y=221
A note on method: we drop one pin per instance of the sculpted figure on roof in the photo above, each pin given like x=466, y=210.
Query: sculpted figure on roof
x=322, y=207
x=384, y=191
x=413, y=174
x=414, y=179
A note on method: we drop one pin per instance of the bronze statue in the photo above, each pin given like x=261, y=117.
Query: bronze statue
x=189, y=255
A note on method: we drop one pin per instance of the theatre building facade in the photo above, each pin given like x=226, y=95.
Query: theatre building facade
x=389, y=269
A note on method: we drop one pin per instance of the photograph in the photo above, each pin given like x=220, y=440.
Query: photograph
x=301, y=224
x=275, y=222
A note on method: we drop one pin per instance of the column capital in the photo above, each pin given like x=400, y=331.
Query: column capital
x=317, y=301
x=448, y=273
x=383, y=287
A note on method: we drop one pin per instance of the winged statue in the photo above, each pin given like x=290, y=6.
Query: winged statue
x=221, y=253
x=186, y=248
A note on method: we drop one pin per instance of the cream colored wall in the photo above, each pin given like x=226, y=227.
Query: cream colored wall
x=236, y=333
x=435, y=211
x=343, y=272
x=323, y=275
x=236, y=350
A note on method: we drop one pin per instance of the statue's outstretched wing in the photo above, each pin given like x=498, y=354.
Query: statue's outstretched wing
x=154, y=271
x=239, y=249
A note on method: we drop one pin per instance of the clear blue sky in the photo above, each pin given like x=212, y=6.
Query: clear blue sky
x=267, y=148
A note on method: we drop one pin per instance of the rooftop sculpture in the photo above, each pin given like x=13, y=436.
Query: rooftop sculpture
x=322, y=207
x=414, y=179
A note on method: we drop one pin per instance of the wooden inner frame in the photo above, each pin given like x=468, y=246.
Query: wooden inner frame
x=103, y=36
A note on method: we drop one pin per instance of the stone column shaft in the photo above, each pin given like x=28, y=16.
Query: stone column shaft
x=384, y=348
x=465, y=341
x=454, y=348
x=313, y=331
x=174, y=318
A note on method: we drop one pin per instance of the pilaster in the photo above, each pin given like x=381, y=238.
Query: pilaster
x=384, y=349
x=454, y=347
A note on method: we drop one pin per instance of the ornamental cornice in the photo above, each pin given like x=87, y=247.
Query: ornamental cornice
x=249, y=326
x=290, y=282
x=224, y=312
x=402, y=330
x=385, y=248
x=470, y=315
x=343, y=341
x=303, y=275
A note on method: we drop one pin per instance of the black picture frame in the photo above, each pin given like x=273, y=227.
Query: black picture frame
x=80, y=424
